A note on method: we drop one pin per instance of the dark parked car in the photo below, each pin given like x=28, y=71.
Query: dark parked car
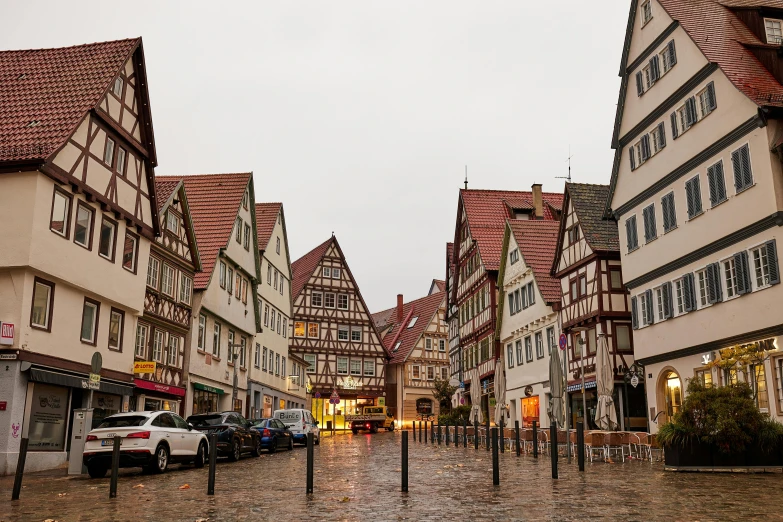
x=234, y=433
x=274, y=434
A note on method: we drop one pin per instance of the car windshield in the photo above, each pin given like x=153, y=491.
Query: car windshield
x=206, y=420
x=260, y=423
x=123, y=421
x=288, y=416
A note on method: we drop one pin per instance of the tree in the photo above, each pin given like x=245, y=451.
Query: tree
x=443, y=391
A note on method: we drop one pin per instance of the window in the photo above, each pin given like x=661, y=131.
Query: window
x=266, y=315
x=82, y=231
x=441, y=345
x=510, y=355
x=630, y=232
x=140, y=347
x=242, y=352
x=282, y=284
x=335, y=273
x=679, y=296
x=342, y=365
x=730, y=275
x=329, y=300
x=116, y=88
x=519, y=352
x=121, y=156
x=43, y=300
x=356, y=334
x=531, y=294
x=397, y=346
x=591, y=341
x=277, y=364
x=326, y=271
x=245, y=200
x=173, y=358
x=246, y=240
x=650, y=231
x=157, y=346
x=312, y=330
x=272, y=320
x=773, y=30
x=244, y=290
x=644, y=309
x=703, y=293
x=428, y=344
x=202, y=332
x=668, y=57
x=523, y=294
x=269, y=274
x=740, y=160
x=658, y=138
x=514, y=256
x=693, y=197
x=416, y=371
x=717, y=183
x=550, y=339
x=574, y=290
x=356, y=366
x=299, y=329
x=108, y=239
x=706, y=99
x=669, y=212
x=342, y=302
x=129, y=252
x=108, y=152
x=277, y=246
x=239, y=230
x=216, y=340
x=310, y=360
x=167, y=280
x=573, y=234
x=222, y=274
x=582, y=286
x=659, y=305
x=263, y=359
x=285, y=327
x=257, y=356
x=430, y=373
x=116, y=323
x=342, y=333
x=238, y=285
x=90, y=312
x=623, y=340
x=317, y=299
x=185, y=289
x=539, y=345
x=282, y=366
x=231, y=349
x=758, y=382
x=646, y=12
x=616, y=279
x=172, y=222
x=765, y=267
x=528, y=349
x=230, y=280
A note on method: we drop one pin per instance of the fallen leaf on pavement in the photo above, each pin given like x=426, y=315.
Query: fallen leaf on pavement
x=440, y=472
x=345, y=499
x=185, y=486
x=398, y=470
x=460, y=465
x=61, y=494
x=137, y=486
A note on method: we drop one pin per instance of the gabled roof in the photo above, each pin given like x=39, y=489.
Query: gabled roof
x=438, y=284
x=487, y=212
x=266, y=218
x=166, y=188
x=45, y=93
x=214, y=203
x=537, y=242
x=589, y=203
x=424, y=309
x=303, y=268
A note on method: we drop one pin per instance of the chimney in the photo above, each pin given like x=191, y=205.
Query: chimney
x=538, y=201
x=399, y=308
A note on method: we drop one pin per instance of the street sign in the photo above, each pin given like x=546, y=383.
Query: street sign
x=461, y=385
x=317, y=395
x=6, y=334
x=97, y=362
x=563, y=341
x=635, y=381
x=334, y=398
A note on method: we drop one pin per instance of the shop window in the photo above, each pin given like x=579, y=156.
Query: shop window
x=704, y=376
x=42, y=305
x=757, y=379
x=530, y=410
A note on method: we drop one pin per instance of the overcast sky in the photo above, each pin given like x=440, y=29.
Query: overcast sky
x=361, y=116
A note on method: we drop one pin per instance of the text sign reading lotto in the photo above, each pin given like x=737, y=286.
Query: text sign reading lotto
x=144, y=367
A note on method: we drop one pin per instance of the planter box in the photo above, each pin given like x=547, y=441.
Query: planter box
x=707, y=457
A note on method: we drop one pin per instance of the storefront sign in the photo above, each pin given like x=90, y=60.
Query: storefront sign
x=528, y=391
x=6, y=334
x=47, y=417
x=635, y=381
x=707, y=358
x=206, y=388
x=144, y=367
x=158, y=387
x=350, y=383
x=381, y=401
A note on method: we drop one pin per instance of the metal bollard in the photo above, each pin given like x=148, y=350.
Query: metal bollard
x=489, y=441
x=475, y=432
x=425, y=432
x=414, y=431
x=535, y=439
x=212, y=463
x=447, y=433
x=432, y=432
x=440, y=434
x=115, y=467
x=465, y=431
x=502, y=435
x=516, y=435
x=553, y=447
x=20, y=469
x=404, y=461
x=419, y=431
x=310, y=464
x=495, y=468
x=580, y=445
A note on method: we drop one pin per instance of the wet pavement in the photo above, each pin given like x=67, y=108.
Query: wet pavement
x=357, y=477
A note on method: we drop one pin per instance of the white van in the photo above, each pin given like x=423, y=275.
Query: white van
x=300, y=423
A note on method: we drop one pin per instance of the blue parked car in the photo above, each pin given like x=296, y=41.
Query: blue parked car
x=274, y=434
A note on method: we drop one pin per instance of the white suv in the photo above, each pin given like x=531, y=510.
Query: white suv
x=150, y=439
x=300, y=422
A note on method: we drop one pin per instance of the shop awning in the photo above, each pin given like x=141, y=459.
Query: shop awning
x=77, y=381
x=158, y=387
x=578, y=387
x=210, y=389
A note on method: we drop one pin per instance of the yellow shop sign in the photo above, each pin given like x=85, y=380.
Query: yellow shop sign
x=144, y=367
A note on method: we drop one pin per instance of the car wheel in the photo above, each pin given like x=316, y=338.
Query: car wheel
x=236, y=451
x=257, y=448
x=201, y=456
x=273, y=446
x=290, y=444
x=161, y=461
x=374, y=429
x=354, y=431
x=97, y=470
x=391, y=427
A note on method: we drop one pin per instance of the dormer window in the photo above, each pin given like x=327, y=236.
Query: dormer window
x=117, y=87
x=646, y=12
x=413, y=322
x=774, y=29
x=521, y=214
x=514, y=256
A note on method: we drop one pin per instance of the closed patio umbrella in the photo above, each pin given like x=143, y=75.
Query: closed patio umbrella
x=556, y=387
x=605, y=414
x=500, y=391
x=475, y=397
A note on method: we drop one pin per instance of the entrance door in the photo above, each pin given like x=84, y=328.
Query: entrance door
x=672, y=395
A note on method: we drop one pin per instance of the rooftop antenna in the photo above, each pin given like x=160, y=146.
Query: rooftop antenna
x=466, y=177
x=567, y=178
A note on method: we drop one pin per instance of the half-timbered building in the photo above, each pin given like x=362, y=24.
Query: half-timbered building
x=78, y=211
x=415, y=335
x=478, y=241
x=160, y=347
x=595, y=305
x=334, y=333
x=224, y=305
x=527, y=311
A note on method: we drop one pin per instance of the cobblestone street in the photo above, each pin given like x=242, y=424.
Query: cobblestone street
x=358, y=478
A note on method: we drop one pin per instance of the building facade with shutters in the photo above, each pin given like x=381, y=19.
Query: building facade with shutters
x=79, y=212
x=697, y=193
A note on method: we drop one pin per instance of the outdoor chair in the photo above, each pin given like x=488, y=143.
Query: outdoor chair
x=543, y=442
x=563, y=440
x=615, y=442
x=595, y=443
x=526, y=437
x=471, y=434
x=655, y=448
x=641, y=442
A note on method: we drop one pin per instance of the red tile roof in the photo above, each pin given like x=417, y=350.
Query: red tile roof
x=266, y=218
x=487, y=212
x=722, y=38
x=449, y=254
x=440, y=284
x=45, y=93
x=214, y=203
x=537, y=240
x=304, y=267
x=424, y=308
x=164, y=188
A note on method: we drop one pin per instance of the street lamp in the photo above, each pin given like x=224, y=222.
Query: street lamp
x=234, y=355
